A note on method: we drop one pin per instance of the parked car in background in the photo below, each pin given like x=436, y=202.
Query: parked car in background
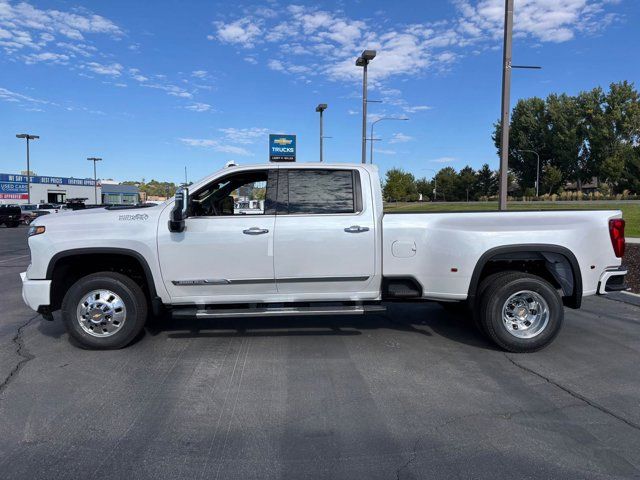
x=30, y=212
x=48, y=207
x=10, y=215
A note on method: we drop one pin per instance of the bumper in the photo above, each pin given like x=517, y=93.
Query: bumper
x=35, y=293
x=612, y=281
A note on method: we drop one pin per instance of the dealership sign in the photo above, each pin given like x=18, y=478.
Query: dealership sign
x=282, y=148
x=6, y=178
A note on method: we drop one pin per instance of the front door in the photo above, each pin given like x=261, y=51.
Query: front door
x=325, y=236
x=225, y=252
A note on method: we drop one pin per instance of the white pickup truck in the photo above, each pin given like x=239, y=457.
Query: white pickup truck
x=312, y=239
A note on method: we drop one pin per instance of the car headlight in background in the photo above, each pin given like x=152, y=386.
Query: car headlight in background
x=36, y=230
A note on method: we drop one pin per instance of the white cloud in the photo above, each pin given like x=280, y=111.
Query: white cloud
x=11, y=96
x=243, y=32
x=276, y=65
x=21, y=23
x=199, y=73
x=250, y=60
x=543, y=20
x=444, y=160
x=46, y=57
x=81, y=49
x=384, y=151
x=215, y=145
x=198, y=107
x=400, y=138
x=244, y=135
x=112, y=69
x=353, y=112
x=316, y=42
x=416, y=108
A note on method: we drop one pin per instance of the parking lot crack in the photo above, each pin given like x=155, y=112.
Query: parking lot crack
x=23, y=353
x=412, y=458
x=575, y=394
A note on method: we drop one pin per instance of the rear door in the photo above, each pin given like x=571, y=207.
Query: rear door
x=324, y=245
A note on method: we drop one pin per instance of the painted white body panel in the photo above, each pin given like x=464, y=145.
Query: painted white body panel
x=309, y=252
x=458, y=240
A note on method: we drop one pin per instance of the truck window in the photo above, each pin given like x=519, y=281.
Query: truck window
x=318, y=192
x=243, y=193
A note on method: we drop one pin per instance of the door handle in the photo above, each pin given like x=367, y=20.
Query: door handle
x=356, y=229
x=255, y=231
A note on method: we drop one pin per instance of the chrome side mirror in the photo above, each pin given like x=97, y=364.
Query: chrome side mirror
x=180, y=211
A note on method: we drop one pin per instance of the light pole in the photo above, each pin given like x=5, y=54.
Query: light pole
x=537, y=170
x=28, y=137
x=363, y=61
x=506, y=100
x=371, y=136
x=435, y=183
x=95, y=177
x=321, y=108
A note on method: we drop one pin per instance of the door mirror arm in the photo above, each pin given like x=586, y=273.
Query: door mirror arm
x=180, y=211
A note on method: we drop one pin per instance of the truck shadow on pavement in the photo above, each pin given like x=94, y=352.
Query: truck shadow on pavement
x=424, y=319
x=429, y=320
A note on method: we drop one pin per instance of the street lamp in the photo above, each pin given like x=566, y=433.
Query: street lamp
x=435, y=183
x=321, y=108
x=507, y=66
x=537, y=169
x=28, y=137
x=363, y=61
x=371, y=136
x=95, y=178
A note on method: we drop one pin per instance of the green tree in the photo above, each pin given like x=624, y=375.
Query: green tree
x=447, y=180
x=551, y=179
x=399, y=186
x=424, y=187
x=593, y=134
x=528, y=131
x=487, y=185
x=467, y=183
x=564, y=137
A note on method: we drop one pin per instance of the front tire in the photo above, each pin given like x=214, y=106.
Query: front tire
x=104, y=310
x=521, y=312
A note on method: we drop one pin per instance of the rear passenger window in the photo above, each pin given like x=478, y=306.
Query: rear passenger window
x=318, y=192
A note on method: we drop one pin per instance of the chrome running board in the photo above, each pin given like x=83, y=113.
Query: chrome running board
x=192, y=312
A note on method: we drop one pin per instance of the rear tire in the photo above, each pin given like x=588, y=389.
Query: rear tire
x=520, y=312
x=104, y=310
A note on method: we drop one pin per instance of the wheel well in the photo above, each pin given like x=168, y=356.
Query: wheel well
x=557, y=265
x=69, y=269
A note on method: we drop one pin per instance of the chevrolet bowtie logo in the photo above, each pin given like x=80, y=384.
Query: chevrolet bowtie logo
x=283, y=141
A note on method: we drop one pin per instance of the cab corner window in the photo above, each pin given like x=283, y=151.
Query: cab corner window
x=243, y=193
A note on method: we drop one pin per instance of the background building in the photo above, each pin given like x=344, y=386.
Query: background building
x=115, y=194
x=13, y=189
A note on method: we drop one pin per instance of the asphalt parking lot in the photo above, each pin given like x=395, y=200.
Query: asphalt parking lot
x=414, y=393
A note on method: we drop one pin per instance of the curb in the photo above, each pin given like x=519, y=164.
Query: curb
x=624, y=297
x=632, y=240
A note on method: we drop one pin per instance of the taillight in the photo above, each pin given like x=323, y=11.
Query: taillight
x=616, y=232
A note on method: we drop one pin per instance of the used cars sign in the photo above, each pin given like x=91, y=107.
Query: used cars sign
x=282, y=148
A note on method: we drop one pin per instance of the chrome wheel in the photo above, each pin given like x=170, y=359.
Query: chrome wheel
x=525, y=314
x=101, y=313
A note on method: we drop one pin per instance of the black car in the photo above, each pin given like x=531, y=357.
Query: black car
x=10, y=215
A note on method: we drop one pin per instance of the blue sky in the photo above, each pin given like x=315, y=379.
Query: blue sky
x=152, y=87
